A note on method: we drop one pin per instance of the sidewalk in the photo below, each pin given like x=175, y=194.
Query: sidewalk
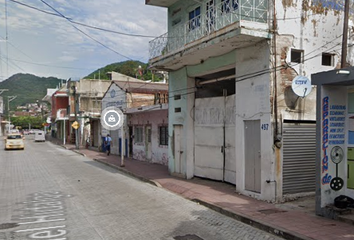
x=289, y=223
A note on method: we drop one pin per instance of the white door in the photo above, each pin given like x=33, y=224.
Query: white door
x=214, y=128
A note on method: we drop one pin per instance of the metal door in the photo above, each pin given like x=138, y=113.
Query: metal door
x=299, y=158
x=253, y=155
x=209, y=138
x=148, y=142
x=177, y=148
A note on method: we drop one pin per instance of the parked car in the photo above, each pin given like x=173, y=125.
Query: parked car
x=39, y=136
x=14, y=141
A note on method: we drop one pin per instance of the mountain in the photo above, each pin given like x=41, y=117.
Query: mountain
x=129, y=68
x=27, y=87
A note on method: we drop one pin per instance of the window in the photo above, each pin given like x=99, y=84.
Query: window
x=138, y=134
x=163, y=131
x=177, y=110
x=194, y=19
x=297, y=56
x=177, y=97
x=229, y=5
x=327, y=59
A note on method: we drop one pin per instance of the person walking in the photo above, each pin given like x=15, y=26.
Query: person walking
x=108, y=141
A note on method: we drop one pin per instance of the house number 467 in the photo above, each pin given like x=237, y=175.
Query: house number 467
x=264, y=126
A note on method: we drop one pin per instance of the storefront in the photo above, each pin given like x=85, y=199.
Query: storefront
x=335, y=138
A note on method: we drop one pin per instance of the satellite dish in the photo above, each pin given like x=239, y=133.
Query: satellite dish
x=301, y=86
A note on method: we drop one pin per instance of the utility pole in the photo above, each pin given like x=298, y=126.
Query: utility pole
x=345, y=35
x=9, y=99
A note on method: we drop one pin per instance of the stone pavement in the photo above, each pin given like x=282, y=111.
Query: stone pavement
x=289, y=223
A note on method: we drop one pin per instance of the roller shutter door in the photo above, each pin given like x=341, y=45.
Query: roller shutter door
x=299, y=158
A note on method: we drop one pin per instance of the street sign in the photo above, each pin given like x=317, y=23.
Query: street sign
x=75, y=125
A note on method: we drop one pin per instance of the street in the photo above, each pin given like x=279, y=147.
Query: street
x=48, y=192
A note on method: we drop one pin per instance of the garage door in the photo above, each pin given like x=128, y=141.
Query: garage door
x=299, y=158
x=215, y=138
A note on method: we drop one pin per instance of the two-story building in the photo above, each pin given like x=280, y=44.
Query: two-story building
x=90, y=93
x=233, y=115
x=59, y=116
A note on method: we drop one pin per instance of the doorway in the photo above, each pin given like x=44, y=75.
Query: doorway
x=177, y=129
x=253, y=155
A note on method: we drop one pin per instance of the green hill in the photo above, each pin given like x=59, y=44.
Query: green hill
x=27, y=87
x=129, y=68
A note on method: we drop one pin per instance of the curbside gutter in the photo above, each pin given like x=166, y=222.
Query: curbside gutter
x=267, y=227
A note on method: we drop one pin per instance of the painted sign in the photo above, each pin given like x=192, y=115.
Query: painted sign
x=333, y=142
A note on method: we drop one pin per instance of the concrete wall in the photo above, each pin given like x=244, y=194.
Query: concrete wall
x=315, y=30
x=253, y=103
x=154, y=119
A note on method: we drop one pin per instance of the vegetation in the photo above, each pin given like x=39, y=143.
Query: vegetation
x=27, y=122
x=27, y=87
x=129, y=68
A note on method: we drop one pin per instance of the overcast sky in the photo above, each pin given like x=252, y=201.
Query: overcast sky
x=48, y=45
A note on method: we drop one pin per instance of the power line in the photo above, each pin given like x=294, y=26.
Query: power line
x=131, y=34
x=83, y=24
x=105, y=46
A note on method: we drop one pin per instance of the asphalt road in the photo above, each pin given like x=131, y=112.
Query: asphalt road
x=47, y=192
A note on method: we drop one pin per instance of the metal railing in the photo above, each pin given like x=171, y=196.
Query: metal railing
x=215, y=18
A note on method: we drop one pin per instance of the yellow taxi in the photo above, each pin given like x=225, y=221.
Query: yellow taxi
x=14, y=141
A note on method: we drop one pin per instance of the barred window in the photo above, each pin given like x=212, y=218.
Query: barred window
x=138, y=134
x=163, y=130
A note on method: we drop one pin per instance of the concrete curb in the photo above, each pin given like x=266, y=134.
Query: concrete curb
x=156, y=184
x=267, y=227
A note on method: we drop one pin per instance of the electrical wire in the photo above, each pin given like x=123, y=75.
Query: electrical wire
x=132, y=34
x=103, y=45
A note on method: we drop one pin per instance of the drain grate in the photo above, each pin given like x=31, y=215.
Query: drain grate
x=271, y=211
x=188, y=237
x=8, y=225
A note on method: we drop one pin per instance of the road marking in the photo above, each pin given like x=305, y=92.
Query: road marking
x=39, y=229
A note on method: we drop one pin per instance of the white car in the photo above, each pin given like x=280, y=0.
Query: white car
x=14, y=141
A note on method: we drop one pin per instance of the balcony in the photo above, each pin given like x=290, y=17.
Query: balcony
x=236, y=23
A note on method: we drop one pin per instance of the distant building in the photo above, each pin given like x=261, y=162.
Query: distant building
x=145, y=107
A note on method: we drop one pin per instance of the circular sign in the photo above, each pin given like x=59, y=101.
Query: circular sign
x=113, y=93
x=112, y=118
x=301, y=86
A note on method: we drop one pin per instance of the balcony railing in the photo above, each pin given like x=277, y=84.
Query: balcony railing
x=217, y=17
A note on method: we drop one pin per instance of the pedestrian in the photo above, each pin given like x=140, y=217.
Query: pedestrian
x=108, y=141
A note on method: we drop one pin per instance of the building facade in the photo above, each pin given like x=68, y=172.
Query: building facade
x=233, y=115
x=135, y=94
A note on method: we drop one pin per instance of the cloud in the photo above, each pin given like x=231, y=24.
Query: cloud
x=54, y=41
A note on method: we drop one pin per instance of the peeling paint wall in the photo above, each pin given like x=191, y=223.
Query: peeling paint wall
x=315, y=30
x=153, y=119
x=253, y=103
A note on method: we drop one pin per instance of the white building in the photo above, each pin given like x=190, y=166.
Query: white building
x=233, y=115
x=139, y=99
